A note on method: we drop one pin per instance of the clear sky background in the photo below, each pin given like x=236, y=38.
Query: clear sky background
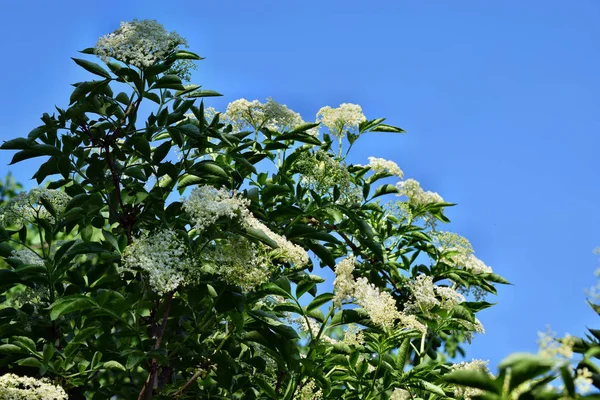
x=500, y=100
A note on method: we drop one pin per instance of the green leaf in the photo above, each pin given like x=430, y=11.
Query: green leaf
x=385, y=189
x=323, y=253
x=113, y=365
x=92, y=67
x=274, y=289
x=202, y=93
x=186, y=55
x=266, y=387
x=161, y=152
x=30, y=362
x=188, y=180
x=387, y=128
x=10, y=349
x=48, y=352
x=260, y=236
x=87, y=248
x=70, y=304
x=168, y=82
x=320, y=300
x=524, y=367
x=303, y=287
x=478, y=379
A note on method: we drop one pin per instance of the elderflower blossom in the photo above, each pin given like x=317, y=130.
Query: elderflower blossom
x=550, y=347
x=138, y=43
x=239, y=262
x=309, y=392
x=162, y=256
x=254, y=115
x=380, y=306
x=409, y=321
x=583, y=380
x=14, y=387
x=207, y=204
x=423, y=291
x=286, y=250
x=416, y=195
x=474, y=365
x=450, y=297
x=27, y=207
x=354, y=336
x=400, y=394
x=28, y=257
x=383, y=166
x=460, y=252
x=473, y=328
x=347, y=116
x=343, y=284
x=321, y=172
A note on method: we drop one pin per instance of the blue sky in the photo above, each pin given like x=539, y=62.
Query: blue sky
x=500, y=101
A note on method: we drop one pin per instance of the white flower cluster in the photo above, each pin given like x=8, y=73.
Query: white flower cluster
x=473, y=328
x=28, y=257
x=207, y=204
x=354, y=336
x=416, y=195
x=286, y=251
x=379, y=305
x=162, y=256
x=550, y=347
x=254, y=115
x=26, y=207
x=138, y=43
x=321, y=172
x=383, y=166
x=426, y=293
x=14, y=387
x=466, y=392
x=400, y=394
x=344, y=281
x=239, y=262
x=309, y=392
x=346, y=116
x=583, y=380
x=460, y=252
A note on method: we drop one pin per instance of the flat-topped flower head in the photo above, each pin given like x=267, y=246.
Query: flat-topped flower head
x=27, y=388
x=207, y=204
x=139, y=43
x=27, y=207
x=238, y=262
x=161, y=256
x=343, y=118
x=383, y=166
x=254, y=115
x=416, y=195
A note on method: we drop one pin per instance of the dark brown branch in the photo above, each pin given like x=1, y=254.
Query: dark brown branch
x=149, y=384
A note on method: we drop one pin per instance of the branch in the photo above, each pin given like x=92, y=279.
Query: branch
x=149, y=384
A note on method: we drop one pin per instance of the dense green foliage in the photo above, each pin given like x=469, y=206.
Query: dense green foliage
x=237, y=307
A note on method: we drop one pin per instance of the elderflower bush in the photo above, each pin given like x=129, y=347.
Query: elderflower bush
x=161, y=261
